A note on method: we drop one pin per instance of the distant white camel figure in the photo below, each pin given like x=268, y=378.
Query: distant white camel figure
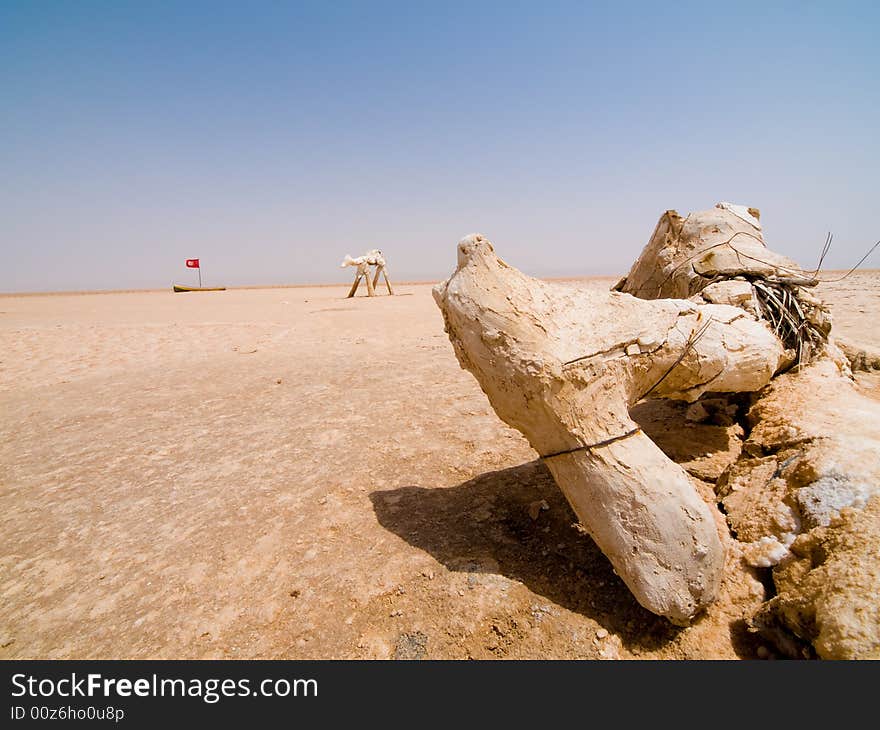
x=363, y=264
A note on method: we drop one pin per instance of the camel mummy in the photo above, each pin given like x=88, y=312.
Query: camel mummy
x=362, y=266
x=803, y=498
x=563, y=366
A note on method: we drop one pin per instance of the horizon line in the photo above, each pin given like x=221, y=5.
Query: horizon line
x=415, y=282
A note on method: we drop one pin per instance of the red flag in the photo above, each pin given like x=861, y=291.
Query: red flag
x=192, y=263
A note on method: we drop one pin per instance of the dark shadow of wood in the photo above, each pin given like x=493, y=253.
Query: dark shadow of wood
x=483, y=525
x=664, y=422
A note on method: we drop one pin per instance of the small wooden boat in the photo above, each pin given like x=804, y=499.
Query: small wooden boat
x=179, y=288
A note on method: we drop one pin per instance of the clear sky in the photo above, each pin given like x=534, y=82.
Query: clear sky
x=269, y=139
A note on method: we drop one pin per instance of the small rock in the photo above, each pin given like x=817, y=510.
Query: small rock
x=696, y=413
x=396, y=613
x=535, y=508
x=411, y=646
x=278, y=381
x=732, y=292
x=601, y=633
x=633, y=349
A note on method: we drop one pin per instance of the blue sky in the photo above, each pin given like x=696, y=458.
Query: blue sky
x=271, y=138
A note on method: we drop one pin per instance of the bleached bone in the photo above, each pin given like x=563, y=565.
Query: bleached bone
x=563, y=366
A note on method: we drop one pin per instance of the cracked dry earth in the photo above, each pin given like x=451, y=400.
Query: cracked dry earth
x=283, y=473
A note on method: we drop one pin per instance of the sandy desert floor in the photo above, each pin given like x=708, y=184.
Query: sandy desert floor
x=284, y=473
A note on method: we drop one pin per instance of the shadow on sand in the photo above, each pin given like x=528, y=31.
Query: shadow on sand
x=483, y=525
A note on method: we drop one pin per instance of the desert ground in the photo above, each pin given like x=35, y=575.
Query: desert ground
x=289, y=474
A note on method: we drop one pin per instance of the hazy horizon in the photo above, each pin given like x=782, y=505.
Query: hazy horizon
x=269, y=140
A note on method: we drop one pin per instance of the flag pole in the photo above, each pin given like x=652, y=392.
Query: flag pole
x=200, y=274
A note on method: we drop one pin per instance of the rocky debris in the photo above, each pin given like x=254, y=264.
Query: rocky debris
x=411, y=646
x=827, y=592
x=821, y=438
x=540, y=612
